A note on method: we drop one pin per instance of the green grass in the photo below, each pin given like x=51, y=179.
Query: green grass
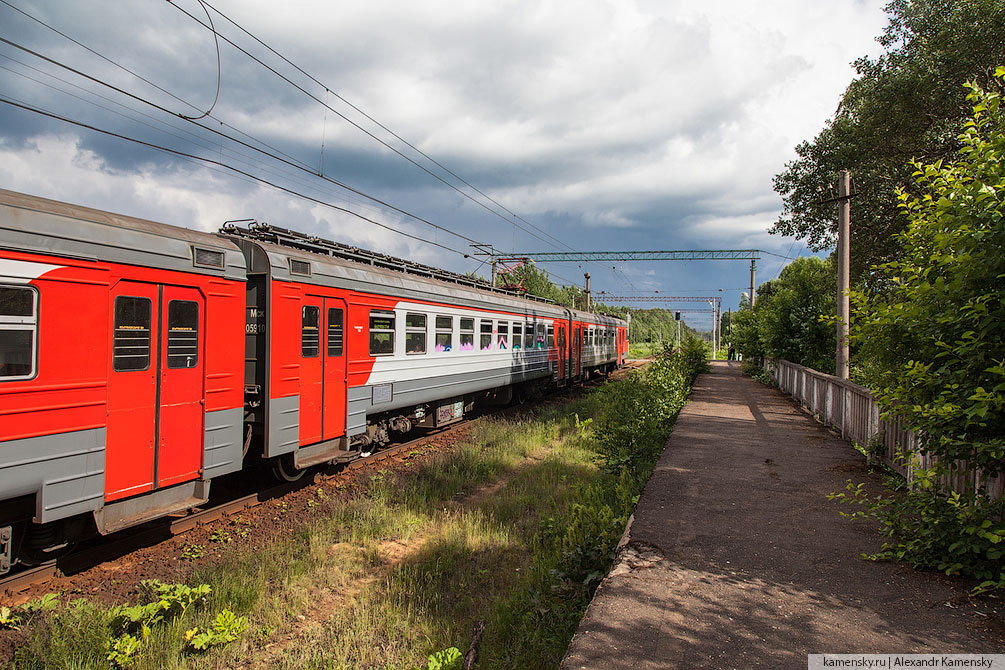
x=515, y=528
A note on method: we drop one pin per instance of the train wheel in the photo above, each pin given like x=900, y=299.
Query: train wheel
x=284, y=470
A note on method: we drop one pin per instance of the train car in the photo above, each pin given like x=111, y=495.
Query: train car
x=358, y=346
x=121, y=385
x=598, y=345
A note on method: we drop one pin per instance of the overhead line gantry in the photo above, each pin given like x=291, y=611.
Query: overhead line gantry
x=753, y=255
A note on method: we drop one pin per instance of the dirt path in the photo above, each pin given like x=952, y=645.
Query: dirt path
x=737, y=559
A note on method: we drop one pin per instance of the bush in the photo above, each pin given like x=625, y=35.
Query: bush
x=932, y=348
x=933, y=345
x=639, y=413
x=753, y=370
x=931, y=530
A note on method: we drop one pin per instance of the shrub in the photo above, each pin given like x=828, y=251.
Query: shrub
x=639, y=413
x=932, y=347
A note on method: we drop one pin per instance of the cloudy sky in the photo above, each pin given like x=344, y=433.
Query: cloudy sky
x=598, y=125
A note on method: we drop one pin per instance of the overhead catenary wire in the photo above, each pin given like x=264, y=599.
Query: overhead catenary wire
x=378, y=123
x=22, y=105
x=219, y=68
x=382, y=126
x=192, y=138
x=358, y=126
x=222, y=134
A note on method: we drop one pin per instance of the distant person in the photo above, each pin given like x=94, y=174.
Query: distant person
x=732, y=352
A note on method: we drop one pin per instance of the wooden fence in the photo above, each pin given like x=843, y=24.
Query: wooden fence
x=851, y=410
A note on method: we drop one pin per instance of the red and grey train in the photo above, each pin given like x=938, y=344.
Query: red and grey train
x=139, y=361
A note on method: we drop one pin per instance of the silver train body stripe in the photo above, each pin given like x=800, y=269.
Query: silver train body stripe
x=283, y=425
x=223, y=443
x=65, y=472
x=411, y=392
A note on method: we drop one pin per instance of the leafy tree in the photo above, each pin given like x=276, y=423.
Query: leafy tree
x=789, y=318
x=746, y=334
x=908, y=103
x=934, y=344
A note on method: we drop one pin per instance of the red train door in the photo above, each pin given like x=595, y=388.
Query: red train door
x=577, y=350
x=154, y=433
x=132, y=390
x=563, y=348
x=311, y=370
x=180, y=424
x=333, y=423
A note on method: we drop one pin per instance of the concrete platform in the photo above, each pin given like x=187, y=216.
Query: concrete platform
x=736, y=558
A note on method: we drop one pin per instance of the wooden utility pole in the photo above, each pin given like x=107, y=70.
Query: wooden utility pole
x=718, y=324
x=844, y=320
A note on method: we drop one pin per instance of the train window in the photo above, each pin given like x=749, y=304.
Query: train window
x=183, y=334
x=517, y=335
x=415, y=333
x=310, y=332
x=485, y=335
x=18, y=332
x=539, y=338
x=551, y=336
x=528, y=336
x=336, y=331
x=381, y=333
x=444, y=333
x=131, y=340
x=561, y=338
x=503, y=334
x=467, y=341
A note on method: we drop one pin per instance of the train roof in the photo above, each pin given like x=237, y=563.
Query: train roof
x=31, y=223
x=290, y=256
x=288, y=264
x=599, y=319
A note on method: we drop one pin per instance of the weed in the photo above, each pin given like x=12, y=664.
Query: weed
x=447, y=659
x=122, y=650
x=227, y=627
x=16, y=618
x=220, y=537
x=191, y=552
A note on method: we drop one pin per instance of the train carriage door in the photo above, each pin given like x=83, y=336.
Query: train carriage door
x=311, y=370
x=132, y=390
x=334, y=369
x=577, y=349
x=181, y=420
x=562, y=343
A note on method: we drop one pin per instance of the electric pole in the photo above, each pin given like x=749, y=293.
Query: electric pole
x=753, y=273
x=588, y=300
x=844, y=320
